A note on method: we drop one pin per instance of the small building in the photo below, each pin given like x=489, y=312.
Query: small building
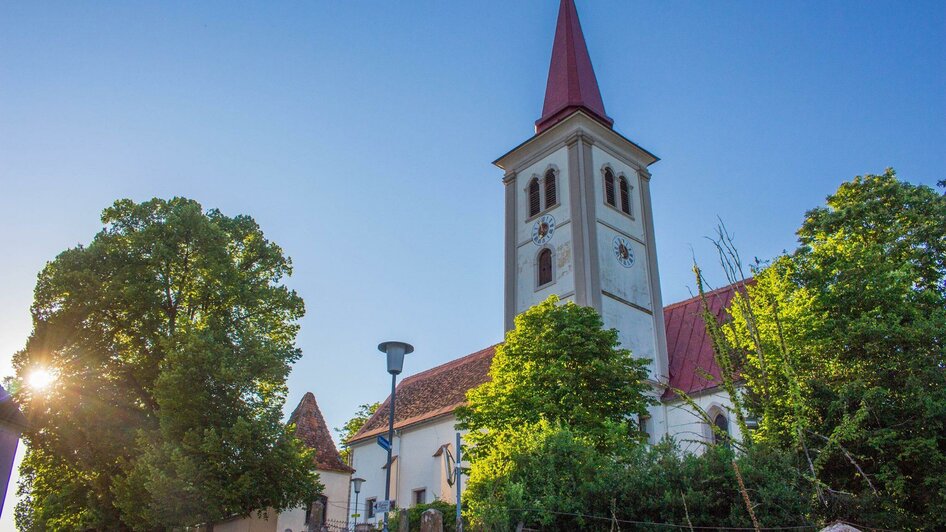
x=334, y=474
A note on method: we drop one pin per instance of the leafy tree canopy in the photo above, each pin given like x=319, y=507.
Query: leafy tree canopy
x=845, y=348
x=353, y=425
x=171, y=337
x=558, y=365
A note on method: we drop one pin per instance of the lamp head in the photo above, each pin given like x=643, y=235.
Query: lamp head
x=395, y=352
x=356, y=483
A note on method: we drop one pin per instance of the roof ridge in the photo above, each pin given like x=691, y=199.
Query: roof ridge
x=716, y=291
x=313, y=431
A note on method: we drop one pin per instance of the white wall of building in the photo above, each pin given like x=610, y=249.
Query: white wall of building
x=252, y=523
x=416, y=466
x=627, y=302
x=689, y=429
x=336, y=491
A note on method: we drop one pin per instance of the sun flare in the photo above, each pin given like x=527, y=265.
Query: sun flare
x=40, y=379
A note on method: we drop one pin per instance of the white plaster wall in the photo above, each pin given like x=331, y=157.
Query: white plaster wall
x=252, y=523
x=560, y=243
x=336, y=491
x=689, y=429
x=563, y=273
x=631, y=284
x=415, y=468
x=368, y=459
x=293, y=519
x=635, y=329
x=559, y=160
x=420, y=468
x=631, y=225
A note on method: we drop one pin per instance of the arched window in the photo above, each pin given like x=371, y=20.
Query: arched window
x=545, y=267
x=534, y=206
x=551, y=198
x=609, y=186
x=721, y=436
x=625, y=196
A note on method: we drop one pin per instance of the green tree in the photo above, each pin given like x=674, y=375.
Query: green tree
x=558, y=368
x=558, y=365
x=845, y=350
x=171, y=337
x=353, y=425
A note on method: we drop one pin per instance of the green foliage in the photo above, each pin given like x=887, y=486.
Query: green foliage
x=353, y=425
x=172, y=338
x=558, y=368
x=448, y=510
x=558, y=365
x=551, y=477
x=845, y=345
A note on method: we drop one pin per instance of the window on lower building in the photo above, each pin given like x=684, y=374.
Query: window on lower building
x=420, y=496
x=369, y=507
x=643, y=423
x=721, y=436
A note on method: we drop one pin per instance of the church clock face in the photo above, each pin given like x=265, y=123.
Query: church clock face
x=623, y=252
x=543, y=229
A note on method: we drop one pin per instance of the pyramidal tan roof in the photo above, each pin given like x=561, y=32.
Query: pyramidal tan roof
x=312, y=430
x=572, y=84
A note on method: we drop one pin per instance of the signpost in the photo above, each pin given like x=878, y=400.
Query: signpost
x=384, y=443
x=382, y=506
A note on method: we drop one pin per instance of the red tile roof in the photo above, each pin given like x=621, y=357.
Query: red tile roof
x=438, y=391
x=572, y=84
x=312, y=430
x=689, y=347
x=431, y=393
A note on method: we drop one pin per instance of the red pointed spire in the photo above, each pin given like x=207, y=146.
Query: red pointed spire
x=572, y=84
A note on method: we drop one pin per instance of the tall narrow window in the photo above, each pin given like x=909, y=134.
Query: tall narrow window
x=534, y=206
x=609, y=186
x=625, y=196
x=545, y=267
x=551, y=198
x=721, y=436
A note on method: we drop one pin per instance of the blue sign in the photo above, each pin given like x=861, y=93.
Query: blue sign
x=384, y=443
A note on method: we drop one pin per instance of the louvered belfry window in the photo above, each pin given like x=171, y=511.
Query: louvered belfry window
x=625, y=196
x=551, y=197
x=545, y=267
x=534, y=206
x=609, y=186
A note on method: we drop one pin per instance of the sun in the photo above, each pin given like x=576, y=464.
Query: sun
x=39, y=379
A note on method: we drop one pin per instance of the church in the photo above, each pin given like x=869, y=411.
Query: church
x=578, y=224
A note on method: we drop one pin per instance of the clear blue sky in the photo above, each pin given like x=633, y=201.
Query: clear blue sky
x=360, y=135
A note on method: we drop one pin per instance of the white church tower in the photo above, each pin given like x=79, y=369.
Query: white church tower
x=578, y=211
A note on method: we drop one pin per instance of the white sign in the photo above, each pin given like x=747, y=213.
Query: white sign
x=382, y=506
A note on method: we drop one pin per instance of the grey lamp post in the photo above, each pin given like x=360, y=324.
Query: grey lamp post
x=356, y=484
x=395, y=352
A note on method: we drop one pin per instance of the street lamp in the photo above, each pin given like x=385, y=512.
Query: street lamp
x=395, y=352
x=356, y=484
